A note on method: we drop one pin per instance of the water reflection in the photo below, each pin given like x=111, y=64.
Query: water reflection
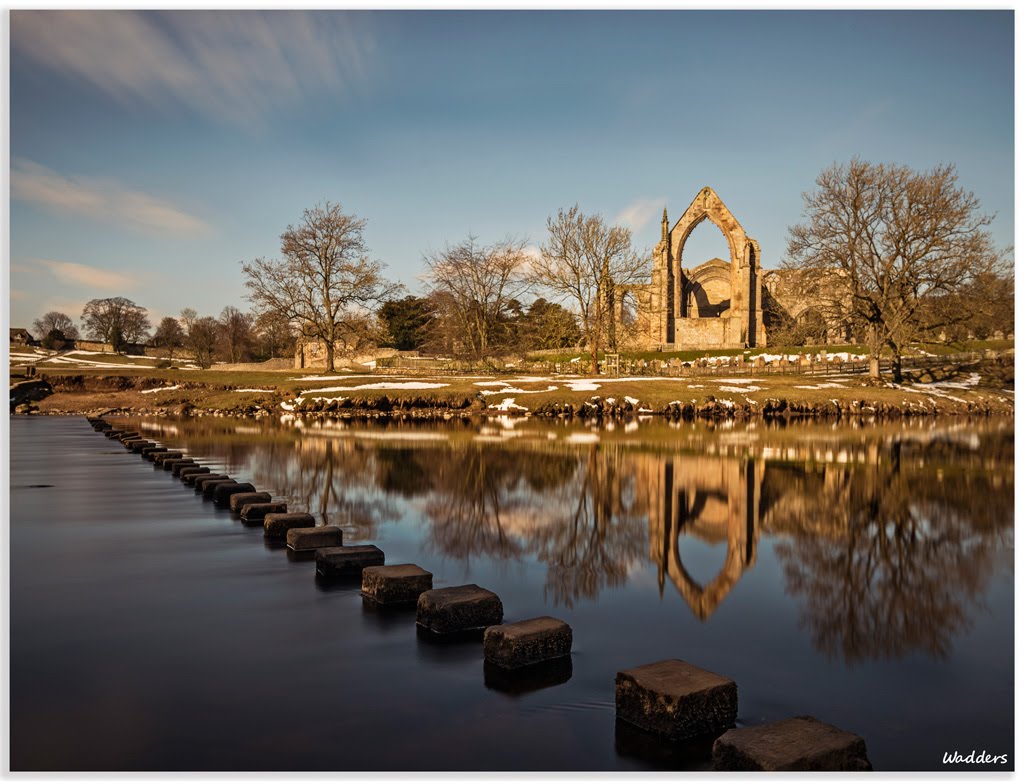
x=887, y=536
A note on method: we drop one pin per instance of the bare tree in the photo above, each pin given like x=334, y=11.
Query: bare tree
x=55, y=321
x=169, y=335
x=480, y=282
x=881, y=241
x=117, y=321
x=274, y=335
x=236, y=334
x=201, y=339
x=323, y=277
x=581, y=263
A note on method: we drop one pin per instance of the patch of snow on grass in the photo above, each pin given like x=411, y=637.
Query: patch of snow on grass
x=510, y=389
x=507, y=405
x=157, y=390
x=380, y=386
x=582, y=385
x=821, y=386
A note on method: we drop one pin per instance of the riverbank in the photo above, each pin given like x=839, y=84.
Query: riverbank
x=981, y=388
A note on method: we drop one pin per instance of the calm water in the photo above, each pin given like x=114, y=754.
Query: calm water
x=861, y=575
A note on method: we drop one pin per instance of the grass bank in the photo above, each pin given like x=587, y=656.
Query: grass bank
x=983, y=387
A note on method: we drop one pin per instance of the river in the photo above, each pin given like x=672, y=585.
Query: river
x=862, y=574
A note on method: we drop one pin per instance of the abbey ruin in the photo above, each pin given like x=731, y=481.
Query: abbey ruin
x=715, y=304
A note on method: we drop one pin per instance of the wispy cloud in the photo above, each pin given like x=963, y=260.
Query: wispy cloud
x=99, y=198
x=236, y=66
x=639, y=213
x=90, y=276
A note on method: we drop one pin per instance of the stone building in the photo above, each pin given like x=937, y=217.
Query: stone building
x=718, y=303
x=714, y=304
x=22, y=338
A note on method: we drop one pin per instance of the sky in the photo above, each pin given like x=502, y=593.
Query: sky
x=152, y=153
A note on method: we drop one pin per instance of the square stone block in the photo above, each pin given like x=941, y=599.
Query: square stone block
x=198, y=480
x=240, y=500
x=209, y=486
x=136, y=445
x=177, y=466
x=168, y=463
x=276, y=525
x=255, y=513
x=396, y=584
x=159, y=458
x=190, y=473
x=348, y=560
x=149, y=452
x=800, y=743
x=311, y=539
x=222, y=493
x=458, y=609
x=675, y=699
x=527, y=642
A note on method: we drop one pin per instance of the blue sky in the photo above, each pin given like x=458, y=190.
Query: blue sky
x=152, y=153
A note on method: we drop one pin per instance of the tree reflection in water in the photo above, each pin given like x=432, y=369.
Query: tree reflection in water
x=889, y=559
x=887, y=537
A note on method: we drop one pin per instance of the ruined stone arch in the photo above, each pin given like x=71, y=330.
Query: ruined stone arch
x=674, y=322
x=708, y=290
x=708, y=206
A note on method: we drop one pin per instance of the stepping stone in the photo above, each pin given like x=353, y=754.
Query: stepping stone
x=277, y=525
x=137, y=445
x=800, y=743
x=149, y=453
x=177, y=466
x=222, y=493
x=675, y=699
x=209, y=486
x=127, y=441
x=255, y=513
x=304, y=539
x=198, y=480
x=168, y=463
x=190, y=473
x=458, y=609
x=239, y=500
x=527, y=642
x=396, y=584
x=349, y=560
x=159, y=458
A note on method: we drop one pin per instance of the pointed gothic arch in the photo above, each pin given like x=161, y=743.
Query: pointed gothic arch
x=674, y=323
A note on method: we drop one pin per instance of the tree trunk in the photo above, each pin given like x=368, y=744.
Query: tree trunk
x=873, y=370
x=897, y=368
x=329, y=345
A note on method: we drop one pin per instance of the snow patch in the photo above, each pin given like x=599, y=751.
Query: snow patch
x=380, y=386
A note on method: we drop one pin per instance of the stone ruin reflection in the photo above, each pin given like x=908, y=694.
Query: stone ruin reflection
x=715, y=500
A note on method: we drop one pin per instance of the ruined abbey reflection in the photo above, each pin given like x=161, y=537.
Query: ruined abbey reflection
x=714, y=500
x=878, y=535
